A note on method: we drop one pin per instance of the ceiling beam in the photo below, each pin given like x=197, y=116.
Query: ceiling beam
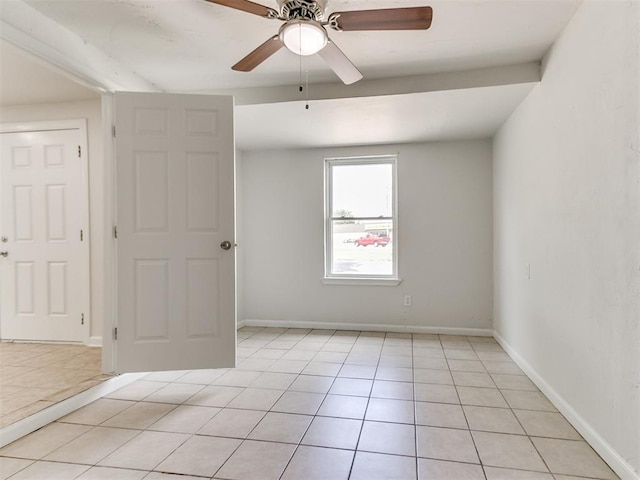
x=30, y=30
x=523, y=73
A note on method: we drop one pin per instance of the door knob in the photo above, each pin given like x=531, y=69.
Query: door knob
x=4, y=254
x=226, y=245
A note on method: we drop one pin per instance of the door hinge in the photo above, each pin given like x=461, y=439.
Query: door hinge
x=81, y=236
x=113, y=130
x=82, y=319
x=79, y=151
x=115, y=232
x=115, y=333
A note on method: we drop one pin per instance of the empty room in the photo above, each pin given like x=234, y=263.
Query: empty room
x=320, y=240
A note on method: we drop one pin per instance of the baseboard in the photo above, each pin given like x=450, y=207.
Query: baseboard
x=618, y=464
x=240, y=324
x=95, y=341
x=44, y=417
x=371, y=327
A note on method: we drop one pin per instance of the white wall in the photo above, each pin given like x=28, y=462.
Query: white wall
x=445, y=239
x=566, y=180
x=91, y=110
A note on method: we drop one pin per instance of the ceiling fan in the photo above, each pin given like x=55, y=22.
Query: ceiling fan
x=304, y=31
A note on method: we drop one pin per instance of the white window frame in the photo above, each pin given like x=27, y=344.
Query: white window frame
x=359, y=279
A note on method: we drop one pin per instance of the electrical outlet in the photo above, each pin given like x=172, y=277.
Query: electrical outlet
x=406, y=301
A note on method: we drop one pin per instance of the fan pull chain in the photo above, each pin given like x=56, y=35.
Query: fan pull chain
x=306, y=79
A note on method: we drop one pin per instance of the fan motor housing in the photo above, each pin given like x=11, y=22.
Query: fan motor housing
x=302, y=9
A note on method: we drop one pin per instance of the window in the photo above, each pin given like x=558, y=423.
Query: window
x=361, y=226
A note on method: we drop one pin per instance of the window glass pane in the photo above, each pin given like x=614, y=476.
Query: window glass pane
x=362, y=247
x=362, y=190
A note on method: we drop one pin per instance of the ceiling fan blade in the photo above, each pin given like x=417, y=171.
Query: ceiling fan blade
x=339, y=63
x=247, y=6
x=411, y=18
x=259, y=55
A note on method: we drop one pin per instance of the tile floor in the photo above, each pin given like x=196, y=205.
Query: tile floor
x=34, y=376
x=320, y=405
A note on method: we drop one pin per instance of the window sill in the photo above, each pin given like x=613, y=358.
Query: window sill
x=379, y=282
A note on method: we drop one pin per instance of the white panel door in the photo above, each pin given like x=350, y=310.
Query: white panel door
x=44, y=266
x=175, y=160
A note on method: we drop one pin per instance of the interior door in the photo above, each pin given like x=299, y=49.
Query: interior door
x=44, y=267
x=175, y=160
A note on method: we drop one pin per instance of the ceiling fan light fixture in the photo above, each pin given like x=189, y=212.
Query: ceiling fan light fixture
x=303, y=37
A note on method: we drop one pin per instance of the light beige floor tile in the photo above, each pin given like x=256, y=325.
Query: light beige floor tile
x=392, y=390
x=305, y=355
x=513, y=382
x=44, y=441
x=330, y=357
x=391, y=438
x=508, y=368
x=174, y=393
x=440, y=415
x=255, y=364
x=256, y=399
x=377, y=466
x=257, y=461
x=472, y=379
x=428, y=392
x=337, y=347
x=546, y=424
x=333, y=432
x=281, y=427
x=93, y=446
x=428, y=351
x=9, y=466
x=355, y=387
x=322, y=368
x=139, y=415
x=314, y=463
x=108, y=473
x=481, y=397
x=438, y=377
x=137, y=390
x=490, y=419
x=50, y=471
x=214, y=396
x=202, y=377
x=430, y=363
x=369, y=359
x=523, y=400
x=237, y=378
x=494, y=473
x=367, y=372
x=442, y=470
x=288, y=366
x=459, y=354
x=492, y=356
x=199, y=455
x=185, y=419
x=385, y=410
x=400, y=361
x=395, y=374
x=274, y=381
x=269, y=353
x=299, y=402
x=97, y=412
x=466, y=366
x=446, y=444
x=570, y=457
x=393, y=350
x=232, y=423
x=145, y=451
x=509, y=451
x=343, y=406
x=311, y=383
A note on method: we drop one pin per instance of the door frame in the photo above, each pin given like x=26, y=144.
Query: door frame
x=79, y=124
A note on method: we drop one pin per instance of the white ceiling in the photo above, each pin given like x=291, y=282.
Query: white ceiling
x=190, y=45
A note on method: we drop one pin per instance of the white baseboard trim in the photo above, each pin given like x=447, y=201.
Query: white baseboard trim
x=622, y=468
x=95, y=341
x=371, y=327
x=240, y=324
x=44, y=417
